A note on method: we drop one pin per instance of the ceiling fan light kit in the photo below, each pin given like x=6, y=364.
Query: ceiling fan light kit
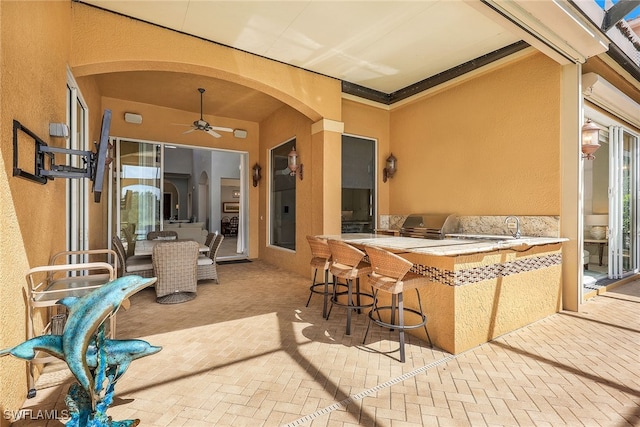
x=204, y=126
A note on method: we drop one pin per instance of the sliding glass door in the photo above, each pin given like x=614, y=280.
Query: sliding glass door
x=623, y=203
x=140, y=192
x=77, y=189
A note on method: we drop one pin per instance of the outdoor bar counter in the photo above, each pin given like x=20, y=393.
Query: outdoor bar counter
x=478, y=287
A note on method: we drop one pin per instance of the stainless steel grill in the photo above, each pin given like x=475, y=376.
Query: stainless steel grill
x=429, y=226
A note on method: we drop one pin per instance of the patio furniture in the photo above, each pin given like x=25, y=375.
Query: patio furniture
x=207, y=268
x=207, y=242
x=187, y=230
x=321, y=260
x=129, y=234
x=47, y=285
x=225, y=225
x=139, y=265
x=585, y=259
x=391, y=275
x=347, y=264
x=162, y=235
x=233, y=226
x=144, y=248
x=175, y=264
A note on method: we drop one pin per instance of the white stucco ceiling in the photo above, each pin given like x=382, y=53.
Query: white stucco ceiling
x=385, y=46
x=382, y=45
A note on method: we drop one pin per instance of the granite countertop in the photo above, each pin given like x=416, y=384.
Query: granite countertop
x=454, y=244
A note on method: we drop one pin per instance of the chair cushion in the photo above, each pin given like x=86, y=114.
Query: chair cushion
x=139, y=258
x=138, y=264
x=166, y=238
x=204, y=260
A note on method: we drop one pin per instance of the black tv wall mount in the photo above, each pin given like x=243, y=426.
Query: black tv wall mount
x=44, y=164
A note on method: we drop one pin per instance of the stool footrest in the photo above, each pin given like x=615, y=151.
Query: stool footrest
x=313, y=288
x=391, y=309
x=354, y=296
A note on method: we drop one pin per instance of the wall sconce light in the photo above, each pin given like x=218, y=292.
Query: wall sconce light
x=294, y=166
x=590, y=138
x=390, y=170
x=256, y=174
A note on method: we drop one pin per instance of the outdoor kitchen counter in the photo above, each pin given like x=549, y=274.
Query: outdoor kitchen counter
x=477, y=290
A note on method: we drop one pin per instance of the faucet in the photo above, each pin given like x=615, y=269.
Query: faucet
x=510, y=225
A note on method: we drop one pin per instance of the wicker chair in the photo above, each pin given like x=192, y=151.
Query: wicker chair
x=347, y=264
x=233, y=226
x=176, y=267
x=208, y=241
x=139, y=265
x=162, y=235
x=129, y=233
x=207, y=268
x=321, y=260
x=391, y=275
x=225, y=224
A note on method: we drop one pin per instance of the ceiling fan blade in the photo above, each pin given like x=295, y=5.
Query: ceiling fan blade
x=189, y=131
x=221, y=129
x=213, y=133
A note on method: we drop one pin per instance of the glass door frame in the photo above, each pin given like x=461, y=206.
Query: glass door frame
x=615, y=156
x=623, y=202
x=117, y=197
x=373, y=172
x=77, y=200
x=114, y=212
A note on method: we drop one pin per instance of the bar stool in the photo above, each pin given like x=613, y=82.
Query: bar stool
x=347, y=263
x=391, y=274
x=320, y=261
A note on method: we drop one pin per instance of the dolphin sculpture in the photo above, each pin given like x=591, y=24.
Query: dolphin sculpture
x=120, y=353
x=86, y=314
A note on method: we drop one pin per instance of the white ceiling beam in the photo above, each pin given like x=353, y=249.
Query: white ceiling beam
x=553, y=27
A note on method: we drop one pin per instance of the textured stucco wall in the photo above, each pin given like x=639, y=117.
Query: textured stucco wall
x=281, y=126
x=488, y=146
x=35, y=45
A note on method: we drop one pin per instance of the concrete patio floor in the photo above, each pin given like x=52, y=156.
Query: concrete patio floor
x=247, y=352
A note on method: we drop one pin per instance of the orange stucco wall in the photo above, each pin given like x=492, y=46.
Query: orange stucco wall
x=283, y=125
x=33, y=53
x=488, y=146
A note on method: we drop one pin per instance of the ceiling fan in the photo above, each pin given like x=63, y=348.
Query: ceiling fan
x=203, y=125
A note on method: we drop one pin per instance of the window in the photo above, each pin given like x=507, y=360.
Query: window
x=283, y=198
x=358, y=184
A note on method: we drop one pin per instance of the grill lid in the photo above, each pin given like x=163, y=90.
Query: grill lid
x=431, y=226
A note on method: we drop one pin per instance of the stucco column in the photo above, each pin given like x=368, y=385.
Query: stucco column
x=326, y=145
x=572, y=182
